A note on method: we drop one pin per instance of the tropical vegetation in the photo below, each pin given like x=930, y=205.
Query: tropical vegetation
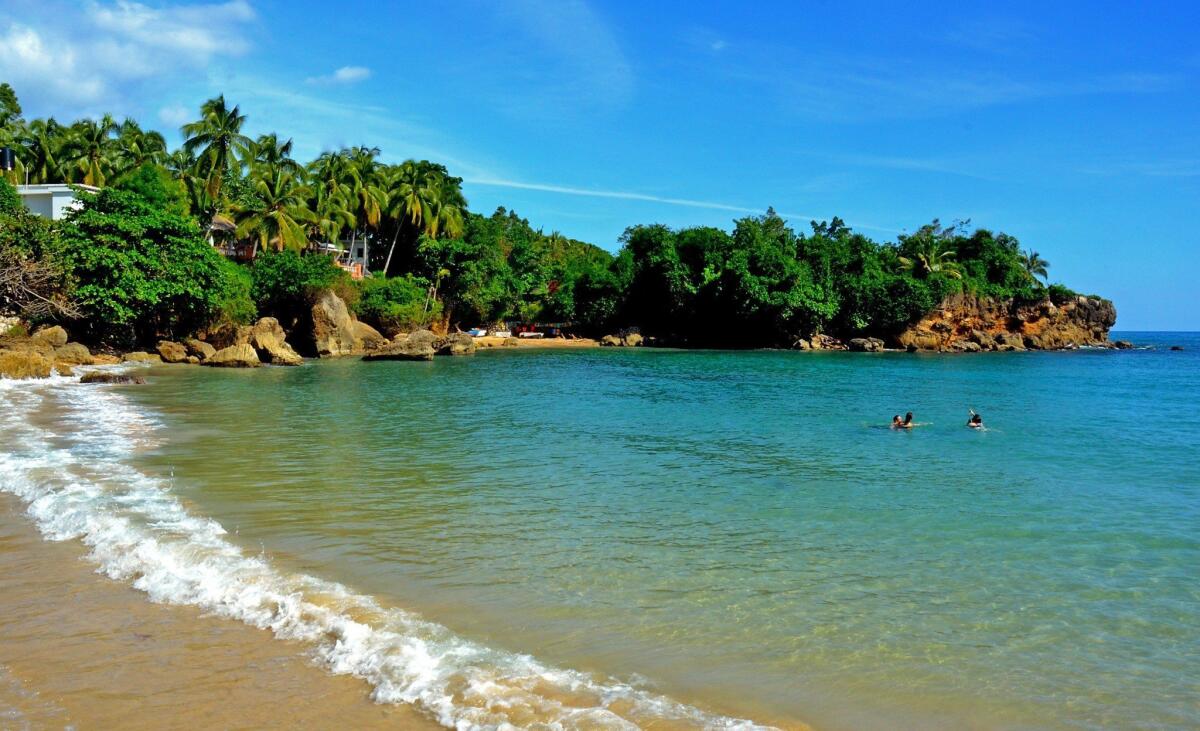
x=143, y=258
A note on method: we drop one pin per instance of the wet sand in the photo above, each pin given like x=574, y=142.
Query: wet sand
x=81, y=650
x=536, y=343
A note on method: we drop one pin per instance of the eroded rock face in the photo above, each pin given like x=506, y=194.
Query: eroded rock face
x=235, y=356
x=269, y=341
x=408, y=348
x=139, y=356
x=332, y=327
x=964, y=323
x=24, y=364
x=866, y=345
x=172, y=352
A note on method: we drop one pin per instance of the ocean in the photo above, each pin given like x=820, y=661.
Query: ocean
x=620, y=538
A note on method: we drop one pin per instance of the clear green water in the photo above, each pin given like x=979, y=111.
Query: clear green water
x=736, y=530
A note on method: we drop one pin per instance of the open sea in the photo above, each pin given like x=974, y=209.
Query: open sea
x=620, y=538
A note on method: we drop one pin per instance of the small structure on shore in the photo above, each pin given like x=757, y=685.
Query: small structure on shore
x=53, y=201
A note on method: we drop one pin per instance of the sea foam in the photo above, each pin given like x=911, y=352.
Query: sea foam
x=78, y=481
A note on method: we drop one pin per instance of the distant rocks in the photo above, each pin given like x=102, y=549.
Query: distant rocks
x=1122, y=345
x=456, y=344
x=172, y=352
x=625, y=340
x=866, y=345
x=139, y=356
x=416, y=345
x=54, y=336
x=235, y=356
x=198, y=348
x=967, y=324
x=270, y=343
x=1177, y=348
x=332, y=327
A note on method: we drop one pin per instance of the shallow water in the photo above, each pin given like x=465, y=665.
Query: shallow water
x=697, y=536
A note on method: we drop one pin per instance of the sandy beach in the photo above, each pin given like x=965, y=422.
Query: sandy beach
x=81, y=650
x=535, y=343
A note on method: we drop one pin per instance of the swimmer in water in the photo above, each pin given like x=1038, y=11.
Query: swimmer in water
x=908, y=421
x=897, y=422
x=975, y=421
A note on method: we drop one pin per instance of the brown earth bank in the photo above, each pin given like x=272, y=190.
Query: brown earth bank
x=965, y=323
x=82, y=651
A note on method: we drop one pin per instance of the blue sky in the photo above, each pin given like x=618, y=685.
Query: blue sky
x=1074, y=126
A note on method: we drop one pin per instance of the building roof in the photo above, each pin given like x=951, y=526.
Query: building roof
x=49, y=188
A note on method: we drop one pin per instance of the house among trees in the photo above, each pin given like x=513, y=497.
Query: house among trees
x=51, y=200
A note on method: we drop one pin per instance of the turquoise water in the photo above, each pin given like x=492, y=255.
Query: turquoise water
x=735, y=530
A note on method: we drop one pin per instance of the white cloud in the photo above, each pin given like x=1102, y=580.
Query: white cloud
x=77, y=57
x=175, y=115
x=345, y=75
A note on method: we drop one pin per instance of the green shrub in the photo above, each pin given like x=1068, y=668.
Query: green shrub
x=10, y=202
x=141, y=272
x=397, y=304
x=1060, y=294
x=285, y=284
x=235, y=305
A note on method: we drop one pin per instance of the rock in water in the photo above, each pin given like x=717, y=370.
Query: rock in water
x=457, y=344
x=417, y=346
x=268, y=340
x=172, y=352
x=53, y=336
x=1123, y=345
x=610, y=341
x=866, y=345
x=235, y=356
x=333, y=328
x=101, y=377
x=198, y=348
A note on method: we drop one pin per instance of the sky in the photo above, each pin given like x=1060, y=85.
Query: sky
x=1074, y=126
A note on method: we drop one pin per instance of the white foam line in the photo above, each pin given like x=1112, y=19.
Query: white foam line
x=80, y=484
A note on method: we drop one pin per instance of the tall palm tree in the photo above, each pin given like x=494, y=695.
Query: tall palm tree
x=43, y=142
x=218, y=137
x=91, y=150
x=1035, y=266
x=136, y=147
x=279, y=218
x=331, y=213
x=269, y=153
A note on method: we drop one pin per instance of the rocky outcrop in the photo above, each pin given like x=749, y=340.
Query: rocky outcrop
x=235, y=356
x=866, y=345
x=172, y=352
x=198, y=348
x=964, y=323
x=628, y=340
x=102, y=377
x=270, y=343
x=28, y=363
x=819, y=342
x=332, y=327
x=456, y=344
x=415, y=346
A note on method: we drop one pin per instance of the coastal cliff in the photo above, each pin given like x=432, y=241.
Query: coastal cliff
x=966, y=323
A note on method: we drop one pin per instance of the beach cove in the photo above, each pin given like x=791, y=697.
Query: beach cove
x=675, y=525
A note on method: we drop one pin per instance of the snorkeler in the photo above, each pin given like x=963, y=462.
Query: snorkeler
x=975, y=421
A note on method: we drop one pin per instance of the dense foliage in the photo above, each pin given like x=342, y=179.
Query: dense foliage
x=138, y=262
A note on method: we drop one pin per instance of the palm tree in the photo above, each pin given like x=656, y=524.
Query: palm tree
x=268, y=152
x=1035, y=266
x=929, y=254
x=136, y=147
x=218, y=136
x=43, y=142
x=279, y=218
x=331, y=213
x=91, y=150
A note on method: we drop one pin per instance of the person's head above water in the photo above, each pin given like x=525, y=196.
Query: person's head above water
x=896, y=419
x=908, y=418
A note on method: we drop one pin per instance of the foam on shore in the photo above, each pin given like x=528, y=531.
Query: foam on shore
x=78, y=482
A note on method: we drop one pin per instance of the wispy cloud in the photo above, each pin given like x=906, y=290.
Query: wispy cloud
x=994, y=34
x=344, y=76
x=645, y=197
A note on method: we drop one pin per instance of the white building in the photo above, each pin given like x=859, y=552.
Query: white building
x=52, y=201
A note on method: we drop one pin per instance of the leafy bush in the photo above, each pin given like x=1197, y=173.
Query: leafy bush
x=1060, y=294
x=284, y=284
x=396, y=304
x=10, y=202
x=235, y=304
x=34, y=281
x=141, y=272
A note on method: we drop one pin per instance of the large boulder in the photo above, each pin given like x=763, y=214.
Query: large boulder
x=610, y=341
x=73, y=354
x=409, y=348
x=235, y=356
x=633, y=340
x=332, y=327
x=422, y=339
x=198, y=348
x=172, y=352
x=866, y=345
x=139, y=356
x=268, y=340
x=366, y=337
x=228, y=334
x=24, y=364
x=457, y=344
x=53, y=336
